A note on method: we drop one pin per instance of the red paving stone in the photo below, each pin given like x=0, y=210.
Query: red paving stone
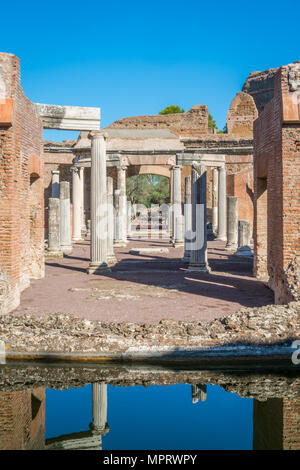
x=145, y=288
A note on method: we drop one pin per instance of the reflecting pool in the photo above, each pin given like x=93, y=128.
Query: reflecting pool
x=147, y=409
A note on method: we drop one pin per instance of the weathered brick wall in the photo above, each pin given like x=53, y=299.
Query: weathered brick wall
x=241, y=185
x=241, y=114
x=21, y=198
x=277, y=189
x=22, y=420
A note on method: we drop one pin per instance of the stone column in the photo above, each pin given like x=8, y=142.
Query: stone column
x=187, y=218
x=55, y=183
x=98, y=262
x=177, y=212
x=82, y=218
x=170, y=212
x=111, y=259
x=244, y=239
x=129, y=214
x=54, y=249
x=198, y=256
x=222, y=204
x=121, y=185
x=65, y=220
x=99, y=403
x=215, y=200
x=76, y=205
x=232, y=223
x=117, y=235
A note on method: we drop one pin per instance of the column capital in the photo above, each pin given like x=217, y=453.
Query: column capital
x=122, y=167
x=74, y=169
x=98, y=134
x=55, y=172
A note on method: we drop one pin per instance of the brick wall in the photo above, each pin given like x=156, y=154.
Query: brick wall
x=21, y=194
x=277, y=188
x=241, y=185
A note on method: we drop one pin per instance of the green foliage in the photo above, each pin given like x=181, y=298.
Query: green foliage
x=211, y=122
x=172, y=109
x=224, y=130
x=147, y=189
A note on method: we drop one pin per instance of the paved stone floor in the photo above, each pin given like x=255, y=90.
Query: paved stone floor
x=145, y=287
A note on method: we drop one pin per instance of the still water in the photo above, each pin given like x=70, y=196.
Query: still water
x=245, y=412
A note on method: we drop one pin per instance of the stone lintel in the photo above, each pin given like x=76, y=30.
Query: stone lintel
x=206, y=159
x=74, y=118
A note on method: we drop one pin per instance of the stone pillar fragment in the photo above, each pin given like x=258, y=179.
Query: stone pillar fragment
x=177, y=212
x=232, y=223
x=198, y=246
x=222, y=204
x=65, y=227
x=187, y=218
x=121, y=185
x=55, y=183
x=98, y=262
x=76, y=205
x=244, y=239
x=111, y=259
x=215, y=200
x=54, y=249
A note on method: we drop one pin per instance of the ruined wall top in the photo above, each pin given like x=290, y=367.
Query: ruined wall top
x=260, y=85
x=241, y=114
x=192, y=123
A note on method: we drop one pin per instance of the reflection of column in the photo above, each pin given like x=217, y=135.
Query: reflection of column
x=55, y=183
x=76, y=205
x=222, y=203
x=99, y=399
x=82, y=218
x=121, y=184
x=98, y=261
x=198, y=257
x=54, y=249
x=65, y=229
x=199, y=392
x=187, y=218
x=111, y=259
x=215, y=200
x=244, y=238
x=232, y=223
x=177, y=215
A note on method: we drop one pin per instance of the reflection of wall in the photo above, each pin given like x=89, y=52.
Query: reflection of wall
x=276, y=424
x=22, y=420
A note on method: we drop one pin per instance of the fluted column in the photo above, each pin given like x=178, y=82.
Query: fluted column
x=187, y=218
x=198, y=256
x=121, y=185
x=99, y=405
x=98, y=262
x=55, y=183
x=222, y=203
x=232, y=223
x=177, y=212
x=65, y=228
x=215, y=200
x=54, y=249
x=111, y=259
x=83, y=224
x=76, y=205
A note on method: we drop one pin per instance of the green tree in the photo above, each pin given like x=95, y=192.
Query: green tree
x=224, y=130
x=172, y=109
x=147, y=189
x=211, y=122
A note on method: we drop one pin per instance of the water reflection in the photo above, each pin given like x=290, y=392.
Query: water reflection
x=208, y=411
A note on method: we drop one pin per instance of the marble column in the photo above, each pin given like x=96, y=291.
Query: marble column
x=232, y=223
x=98, y=262
x=244, y=239
x=65, y=219
x=121, y=185
x=55, y=183
x=198, y=247
x=187, y=218
x=99, y=406
x=117, y=234
x=222, y=203
x=82, y=218
x=170, y=211
x=177, y=212
x=111, y=259
x=215, y=200
x=129, y=214
x=54, y=249
x=76, y=205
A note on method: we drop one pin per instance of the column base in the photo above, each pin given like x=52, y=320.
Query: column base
x=67, y=249
x=231, y=247
x=120, y=244
x=76, y=239
x=54, y=254
x=221, y=238
x=203, y=268
x=98, y=268
x=111, y=259
x=244, y=252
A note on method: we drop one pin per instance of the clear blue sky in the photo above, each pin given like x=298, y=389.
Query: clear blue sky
x=137, y=56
